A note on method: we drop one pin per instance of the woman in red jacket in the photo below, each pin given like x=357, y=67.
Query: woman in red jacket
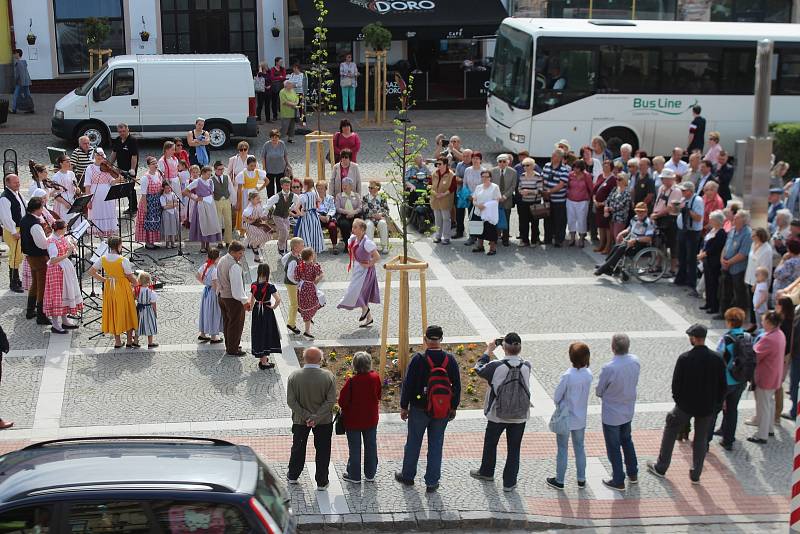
x=359, y=400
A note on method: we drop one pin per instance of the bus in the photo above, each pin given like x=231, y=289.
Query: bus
x=633, y=81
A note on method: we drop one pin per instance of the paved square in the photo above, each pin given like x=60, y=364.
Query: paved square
x=19, y=389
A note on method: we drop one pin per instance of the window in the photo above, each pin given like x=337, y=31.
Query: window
x=788, y=82
x=123, y=82
x=752, y=11
x=629, y=70
x=30, y=520
x=103, y=90
x=565, y=72
x=101, y=517
x=270, y=494
x=513, y=63
x=181, y=516
x=613, y=9
x=738, y=75
x=694, y=70
x=71, y=49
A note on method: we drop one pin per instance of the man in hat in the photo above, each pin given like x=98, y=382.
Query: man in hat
x=415, y=408
x=506, y=179
x=698, y=387
x=496, y=372
x=775, y=204
x=664, y=214
x=690, y=225
x=638, y=235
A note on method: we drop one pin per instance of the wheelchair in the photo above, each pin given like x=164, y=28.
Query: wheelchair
x=648, y=264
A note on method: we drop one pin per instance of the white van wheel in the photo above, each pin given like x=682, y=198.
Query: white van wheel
x=218, y=135
x=95, y=133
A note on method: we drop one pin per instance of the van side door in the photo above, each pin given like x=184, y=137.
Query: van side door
x=115, y=99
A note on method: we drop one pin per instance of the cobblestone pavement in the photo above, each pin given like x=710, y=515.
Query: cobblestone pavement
x=79, y=385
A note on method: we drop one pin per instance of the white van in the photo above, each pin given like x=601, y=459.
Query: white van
x=160, y=97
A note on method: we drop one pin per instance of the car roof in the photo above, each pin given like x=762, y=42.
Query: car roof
x=127, y=463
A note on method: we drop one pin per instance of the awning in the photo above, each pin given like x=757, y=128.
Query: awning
x=406, y=19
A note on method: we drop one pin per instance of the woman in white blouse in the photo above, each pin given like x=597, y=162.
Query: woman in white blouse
x=573, y=392
x=760, y=256
x=485, y=201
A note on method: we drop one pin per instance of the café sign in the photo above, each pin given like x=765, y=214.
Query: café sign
x=383, y=7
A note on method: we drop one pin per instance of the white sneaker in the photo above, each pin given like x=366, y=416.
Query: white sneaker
x=292, y=480
x=511, y=488
x=323, y=488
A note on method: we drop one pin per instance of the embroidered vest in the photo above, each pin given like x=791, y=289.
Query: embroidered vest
x=283, y=205
x=220, y=188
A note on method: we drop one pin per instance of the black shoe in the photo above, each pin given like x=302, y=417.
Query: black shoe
x=651, y=467
x=56, y=331
x=712, y=312
x=237, y=354
x=717, y=432
x=432, y=489
x=30, y=310
x=555, y=484
x=787, y=415
x=695, y=479
x=703, y=307
x=610, y=484
x=505, y=242
x=581, y=483
x=41, y=318
x=69, y=326
x=725, y=445
x=694, y=293
x=759, y=441
x=293, y=329
x=633, y=479
x=398, y=476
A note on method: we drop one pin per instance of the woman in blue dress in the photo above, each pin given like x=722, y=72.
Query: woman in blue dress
x=210, y=322
x=308, y=226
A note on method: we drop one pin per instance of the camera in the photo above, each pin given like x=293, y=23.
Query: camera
x=499, y=341
x=445, y=142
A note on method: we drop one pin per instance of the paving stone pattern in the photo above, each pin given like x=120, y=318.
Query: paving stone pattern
x=19, y=389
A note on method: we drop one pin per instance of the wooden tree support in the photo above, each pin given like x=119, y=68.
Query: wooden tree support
x=96, y=57
x=379, y=88
x=318, y=140
x=396, y=264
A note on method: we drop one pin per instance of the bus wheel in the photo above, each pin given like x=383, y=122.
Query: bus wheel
x=620, y=135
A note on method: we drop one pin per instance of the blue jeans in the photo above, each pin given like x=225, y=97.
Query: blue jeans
x=418, y=423
x=619, y=437
x=514, y=432
x=370, y=453
x=730, y=414
x=19, y=90
x=562, y=440
x=348, y=98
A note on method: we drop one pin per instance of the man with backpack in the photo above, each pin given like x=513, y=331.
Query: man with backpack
x=507, y=406
x=698, y=386
x=735, y=345
x=429, y=397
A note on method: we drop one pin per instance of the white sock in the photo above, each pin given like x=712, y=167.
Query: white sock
x=56, y=322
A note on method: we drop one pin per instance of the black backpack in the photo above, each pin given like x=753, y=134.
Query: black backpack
x=744, y=357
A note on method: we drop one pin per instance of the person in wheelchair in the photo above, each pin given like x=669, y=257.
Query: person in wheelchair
x=638, y=235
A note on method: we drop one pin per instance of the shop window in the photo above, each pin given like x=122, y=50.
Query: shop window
x=752, y=11
x=71, y=48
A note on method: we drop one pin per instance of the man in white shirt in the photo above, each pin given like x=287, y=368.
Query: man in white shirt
x=233, y=300
x=675, y=163
x=12, y=210
x=33, y=242
x=617, y=389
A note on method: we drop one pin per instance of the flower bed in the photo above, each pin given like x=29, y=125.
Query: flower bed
x=338, y=360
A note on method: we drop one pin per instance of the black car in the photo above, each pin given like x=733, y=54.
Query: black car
x=140, y=484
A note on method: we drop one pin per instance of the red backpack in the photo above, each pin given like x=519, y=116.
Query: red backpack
x=440, y=390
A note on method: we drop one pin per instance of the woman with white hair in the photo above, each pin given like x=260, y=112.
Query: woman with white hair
x=358, y=401
x=710, y=255
x=290, y=103
x=781, y=233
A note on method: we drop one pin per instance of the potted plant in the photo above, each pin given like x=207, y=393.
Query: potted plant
x=276, y=31
x=376, y=36
x=144, y=35
x=97, y=31
x=31, y=39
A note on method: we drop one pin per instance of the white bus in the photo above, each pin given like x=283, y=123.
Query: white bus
x=636, y=81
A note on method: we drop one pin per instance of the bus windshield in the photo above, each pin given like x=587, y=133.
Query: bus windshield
x=513, y=65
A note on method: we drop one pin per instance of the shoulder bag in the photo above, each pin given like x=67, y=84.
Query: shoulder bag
x=540, y=209
x=462, y=197
x=559, y=421
x=338, y=421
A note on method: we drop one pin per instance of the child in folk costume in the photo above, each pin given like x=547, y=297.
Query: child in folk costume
x=63, y=199
x=169, y=167
x=170, y=219
x=146, y=308
x=363, y=289
x=188, y=207
x=308, y=275
x=236, y=164
x=264, y=334
x=148, y=216
x=119, y=309
x=289, y=262
x=281, y=203
x=258, y=230
x=251, y=178
x=204, y=226
x=223, y=193
x=210, y=322
x=180, y=152
x=308, y=225
x=62, y=294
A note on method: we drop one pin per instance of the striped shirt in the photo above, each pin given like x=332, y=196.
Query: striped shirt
x=552, y=177
x=534, y=183
x=80, y=160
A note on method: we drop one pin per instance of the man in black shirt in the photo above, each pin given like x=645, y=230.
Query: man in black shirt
x=724, y=176
x=125, y=153
x=697, y=131
x=698, y=387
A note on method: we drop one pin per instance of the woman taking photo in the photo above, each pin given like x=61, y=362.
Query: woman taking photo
x=710, y=255
x=605, y=185
x=359, y=400
x=346, y=138
x=346, y=168
x=485, y=201
x=348, y=207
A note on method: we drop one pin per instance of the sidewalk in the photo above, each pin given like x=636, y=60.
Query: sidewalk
x=459, y=119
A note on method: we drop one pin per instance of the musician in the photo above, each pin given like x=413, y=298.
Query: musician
x=125, y=153
x=12, y=210
x=38, y=179
x=98, y=179
x=33, y=241
x=81, y=158
x=67, y=187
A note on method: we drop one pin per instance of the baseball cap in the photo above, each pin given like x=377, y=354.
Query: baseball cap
x=434, y=332
x=697, y=330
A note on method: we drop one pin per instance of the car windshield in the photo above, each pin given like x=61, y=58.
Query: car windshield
x=84, y=89
x=513, y=64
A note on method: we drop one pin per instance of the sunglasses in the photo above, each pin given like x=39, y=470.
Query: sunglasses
x=527, y=165
x=242, y=150
x=295, y=187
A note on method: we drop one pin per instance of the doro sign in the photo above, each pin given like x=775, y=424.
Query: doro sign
x=382, y=6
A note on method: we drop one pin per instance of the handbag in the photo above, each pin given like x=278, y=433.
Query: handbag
x=462, y=197
x=502, y=222
x=259, y=85
x=321, y=297
x=338, y=421
x=346, y=81
x=540, y=210
x=559, y=421
x=475, y=227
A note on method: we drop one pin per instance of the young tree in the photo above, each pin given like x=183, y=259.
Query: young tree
x=320, y=80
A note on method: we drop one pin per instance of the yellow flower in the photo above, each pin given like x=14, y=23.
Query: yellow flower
x=471, y=371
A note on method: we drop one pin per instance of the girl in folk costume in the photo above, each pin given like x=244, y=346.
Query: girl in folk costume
x=102, y=212
x=170, y=219
x=251, y=178
x=63, y=199
x=237, y=164
x=258, y=230
x=264, y=334
x=308, y=226
x=146, y=308
x=119, y=309
x=188, y=207
x=308, y=275
x=363, y=289
x=210, y=322
x=168, y=167
x=179, y=184
x=62, y=294
x=204, y=225
x=148, y=216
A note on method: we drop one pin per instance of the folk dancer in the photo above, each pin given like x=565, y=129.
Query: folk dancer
x=363, y=289
x=33, y=241
x=62, y=295
x=204, y=225
x=280, y=203
x=119, y=309
x=248, y=179
x=12, y=210
x=148, y=214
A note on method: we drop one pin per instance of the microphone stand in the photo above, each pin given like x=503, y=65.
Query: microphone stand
x=179, y=253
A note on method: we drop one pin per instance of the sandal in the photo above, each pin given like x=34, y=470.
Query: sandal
x=215, y=341
x=203, y=338
x=363, y=316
